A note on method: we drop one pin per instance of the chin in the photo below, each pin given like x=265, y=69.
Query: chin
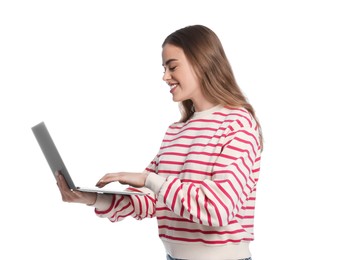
x=176, y=99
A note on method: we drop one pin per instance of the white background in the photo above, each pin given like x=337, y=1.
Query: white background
x=92, y=71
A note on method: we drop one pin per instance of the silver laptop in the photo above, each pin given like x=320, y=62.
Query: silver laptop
x=56, y=163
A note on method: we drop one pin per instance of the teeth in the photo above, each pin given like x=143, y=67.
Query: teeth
x=173, y=86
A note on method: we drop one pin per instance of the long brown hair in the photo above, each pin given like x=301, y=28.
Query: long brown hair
x=205, y=53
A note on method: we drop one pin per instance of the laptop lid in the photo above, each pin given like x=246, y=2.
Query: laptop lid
x=56, y=163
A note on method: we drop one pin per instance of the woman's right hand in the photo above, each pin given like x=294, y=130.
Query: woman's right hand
x=69, y=195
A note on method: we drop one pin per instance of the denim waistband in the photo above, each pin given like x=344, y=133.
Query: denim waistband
x=171, y=258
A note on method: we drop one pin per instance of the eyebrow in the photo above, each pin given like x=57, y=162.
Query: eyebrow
x=169, y=61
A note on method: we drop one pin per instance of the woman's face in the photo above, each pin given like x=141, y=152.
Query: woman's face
x=179, y=75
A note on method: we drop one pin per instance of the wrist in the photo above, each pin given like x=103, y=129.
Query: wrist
x=146, y=174
x=92, y=199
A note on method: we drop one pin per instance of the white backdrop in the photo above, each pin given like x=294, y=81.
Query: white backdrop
x=92, y=71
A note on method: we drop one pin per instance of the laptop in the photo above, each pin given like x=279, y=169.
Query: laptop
x=56, y=163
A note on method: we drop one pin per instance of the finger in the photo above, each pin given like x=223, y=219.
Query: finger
x=108, y=178
x=101, y=183
x=62, y=184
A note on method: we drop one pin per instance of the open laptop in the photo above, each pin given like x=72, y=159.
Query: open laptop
x=56, y=163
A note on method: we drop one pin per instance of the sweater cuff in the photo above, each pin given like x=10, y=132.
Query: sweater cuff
x=154, y=182
x=103, y=202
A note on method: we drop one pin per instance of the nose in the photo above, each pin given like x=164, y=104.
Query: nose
x=166, y=76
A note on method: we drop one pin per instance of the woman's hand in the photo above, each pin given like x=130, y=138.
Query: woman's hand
x=69, y=195
x=133, y=179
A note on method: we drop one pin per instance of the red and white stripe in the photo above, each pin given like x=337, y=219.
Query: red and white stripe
x=211, y=166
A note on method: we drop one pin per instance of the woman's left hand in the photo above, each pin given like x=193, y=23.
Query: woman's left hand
x=133, y=179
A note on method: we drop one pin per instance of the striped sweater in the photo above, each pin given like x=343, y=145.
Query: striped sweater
x=202, y=186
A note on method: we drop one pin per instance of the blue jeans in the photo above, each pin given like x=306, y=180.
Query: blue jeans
x=171, y=258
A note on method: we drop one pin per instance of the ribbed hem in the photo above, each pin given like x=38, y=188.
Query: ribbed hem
x=204, y=252
x=154, y=182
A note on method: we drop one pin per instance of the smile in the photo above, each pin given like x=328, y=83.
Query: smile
x=172, y=87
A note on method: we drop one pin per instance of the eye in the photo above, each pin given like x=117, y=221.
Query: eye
x=171, y=69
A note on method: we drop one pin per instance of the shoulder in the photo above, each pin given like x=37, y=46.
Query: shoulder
x=176, y=125
x=237, y=117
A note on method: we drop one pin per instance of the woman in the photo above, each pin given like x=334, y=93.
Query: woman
x=202, y=183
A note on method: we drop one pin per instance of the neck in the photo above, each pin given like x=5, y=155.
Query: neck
x=201, y=106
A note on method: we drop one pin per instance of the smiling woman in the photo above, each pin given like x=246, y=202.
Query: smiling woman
x=181, y=77
x=93, y=71
x=202, y=183
x=206, y=71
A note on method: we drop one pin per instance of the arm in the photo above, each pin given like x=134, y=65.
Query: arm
x=114, y=207
x=214, y=201
x=118, y=207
